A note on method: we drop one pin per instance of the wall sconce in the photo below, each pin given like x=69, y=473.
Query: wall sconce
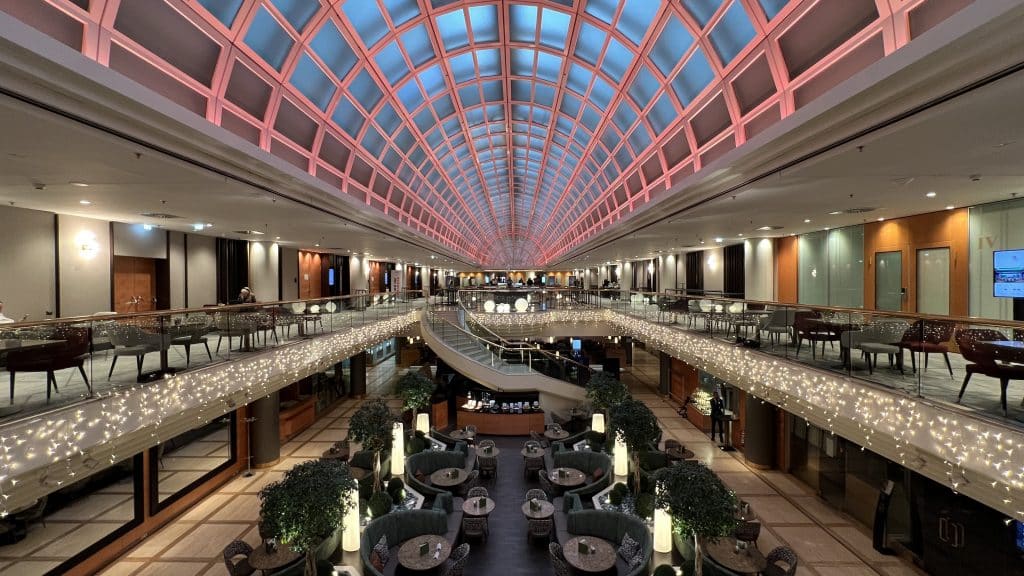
x=597, y=423
x=88, y=246
x=662, y=529
x=621, y=458
x=398, y=449
x=423, y=422
x=350, y=533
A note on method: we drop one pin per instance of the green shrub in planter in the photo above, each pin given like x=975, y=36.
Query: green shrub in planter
x=664, y=570
x=596, y=440
x=645, y=505
x=396, y=489
x=620, y=488
x=380, y=504
x=615, y=497
x=415, y=445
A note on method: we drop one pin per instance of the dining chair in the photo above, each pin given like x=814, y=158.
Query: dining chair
x=238, y=567
x=539, y=528
x=456, y=563
x=477, y=492
x=475, y=527
x=985, y=359
x=928, y=337
x=784, y=555
x=558, y=562
x=70, y=350
x=536, y=493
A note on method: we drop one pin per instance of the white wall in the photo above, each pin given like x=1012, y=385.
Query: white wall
x=759, y=268
x=176, y=246
x=289, y=262
x=714, y=269
x=135, y=240
x=263, y=270
x=359, y=274
x=201, y=262
x=84, y=246
x=26, y=263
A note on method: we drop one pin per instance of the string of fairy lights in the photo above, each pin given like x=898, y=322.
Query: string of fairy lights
x=42, y=454
x=979, y=458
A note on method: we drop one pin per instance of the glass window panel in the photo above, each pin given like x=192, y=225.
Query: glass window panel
x=347, y=117
x=522, y=23
x=388, y=119
x=603, y=10
x=333, y=50
x=521, y=90
x=365, y=90
x=541, y=116
x=391, y=159
x=554, y=25
x=462, y=67
x=623, y=158
x=194, y=454
x=410, y=96
x=636, y=18
x=432, y=80
x=309, y=79
x=493, y=91
x=489, y=62
x=369, y=24
x=640, y=139
x=417, y=45
x=484, y=20
x=544, y=95
x=674, y=41
x=702, y=10
x=520, y=112
x=732, y=33
x=469, y=96
x=549, y=66
x=617, y=59
x=269, y=39
x=475, y=117
x=694, y=76
x=522, y=62
x=443, y=107
x=772, y=7
x=662, y=114
x=297, y=12
x=602, y=93
x=404, y=139
x=643, y=87
x=591, y=118
x=401, y=11
x=451, y=127
x=564, y=125
x=579, y=79
x=435, y=137
x=373, y=142
x=589, y=43
x=223, y=10
x=392, y=63
x=453, y=29
x=624, y=116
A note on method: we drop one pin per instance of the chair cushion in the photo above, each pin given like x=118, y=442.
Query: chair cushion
x=376, y=561
x=381, y=549
x=598, y=472
x=629, y=548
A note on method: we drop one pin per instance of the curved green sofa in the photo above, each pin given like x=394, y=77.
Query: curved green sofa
x=398, y=527
x=429, y=462
x=611, y=526
x=588, y=462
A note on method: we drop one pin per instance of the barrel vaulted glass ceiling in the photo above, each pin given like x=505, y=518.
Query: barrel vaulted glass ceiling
x=508, y=131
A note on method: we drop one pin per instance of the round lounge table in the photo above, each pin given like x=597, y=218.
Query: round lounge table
x=572, y=478
x=282, y=556
x=600, y=559
x=483, y=452
x=472, y=507
x=546, y=510
x=409, y=553
x=538, y=453
x=723, y=551
x=448, y=477
x=680, y=453
x=461, y=435
x=556, y=434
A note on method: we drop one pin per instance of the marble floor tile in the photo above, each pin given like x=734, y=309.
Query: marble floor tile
x=845, y=570
x=814, y=546
x=76, y=540
x=819, y=510
x=774, y=510
x=311, y=450
x=746, y=483
x=786, y=483
x=204, y=509
x=175, y=569
x=860, y=542
x=123, y=568
x=151, y=547
x=205, y=541
x=241, y=508
x=31, y=567
x=330, y=435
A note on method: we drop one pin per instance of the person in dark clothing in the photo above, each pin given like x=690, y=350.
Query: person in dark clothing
x=718, y=417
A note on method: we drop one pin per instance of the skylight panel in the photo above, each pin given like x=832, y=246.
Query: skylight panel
x=521, y=62
x=541, y=116
x=373, y=142
x=410, y=97
x=269, y=39
x=452, y=26
x=404, y=140
x=582, y=138
x=333, y=50
x=365, y=91
x=347, y=117
x=549, y=66
x=401, y=11
x=589, y=43
x=623, y=158
x=671, y=45
x=732, y=33
x=521, y=90
x=564, y=125
x=662, y=114
x=297, y=12
x=772, y=7
x=643, y=87
x=484, y=20
x=579, y=79
x=694, y=76
x=640, y=139
x=603, y=10
x=417, y=45
x=636, y=18
x=424, y=120
x=489, y=62
x=554, y=26
x=392, y=63
x=435, y=137
x=520, y=112
x=544, y=95
x=391, y=159
x=617, y=60
x=462, y=67
x=451, y=127
x=443, y=107
x=602, y=93
x=469, y=96
x=432, y=80
x=591, y=118
x=475, y=117
x=624, y=116
x=369, y=24
x=223, y=10
x=702, y=10
x=493, y=91
x=311, y=81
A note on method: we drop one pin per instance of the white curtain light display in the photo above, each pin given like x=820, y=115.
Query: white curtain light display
x=662, y=529
x=398, y=449
x=597, y=423
x=423, y=422
x=350, y=533
x=621, y=460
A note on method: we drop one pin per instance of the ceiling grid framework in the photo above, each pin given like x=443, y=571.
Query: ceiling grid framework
x=508, y=131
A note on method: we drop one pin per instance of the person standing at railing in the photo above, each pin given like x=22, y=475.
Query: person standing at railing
x=718, y=417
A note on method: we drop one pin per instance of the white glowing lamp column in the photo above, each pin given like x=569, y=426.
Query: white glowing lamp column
x=597, y=423
x=350, y=534
x=398, y=449
x=621, y=460
x=423, y=422
x=662, y=529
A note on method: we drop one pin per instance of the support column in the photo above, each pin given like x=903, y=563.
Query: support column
x=357, y=375
x=627, y=346
x=338, y=382
x=665, y=373
x=759, y=446
x=265, y=431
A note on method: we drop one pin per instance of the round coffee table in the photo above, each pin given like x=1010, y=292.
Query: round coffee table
x=556, y=434
x=547, y=509
x=573, y=477
x=538, y=453
x=461, y=435
x=282, y=556
x=448, y=477
x=471, y=507
x=723, y=551
x=680, y=453
x=600, y=559
x=494, y=452
x=409, y=553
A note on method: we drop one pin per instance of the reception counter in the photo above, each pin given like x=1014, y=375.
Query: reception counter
x=502, y=424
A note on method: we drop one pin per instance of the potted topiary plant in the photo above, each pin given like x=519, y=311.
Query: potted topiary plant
x=638, y=427
x=605, y=391
x=416, y=391
x=371, y=426
x=380, y=504
x=664, y=570
x=396, y=489
x=644, y=506
x=700, y=504
x=307, y=505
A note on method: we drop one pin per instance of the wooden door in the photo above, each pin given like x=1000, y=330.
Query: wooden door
x=135, y=284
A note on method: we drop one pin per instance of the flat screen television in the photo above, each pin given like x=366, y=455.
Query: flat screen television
x=1008, y=273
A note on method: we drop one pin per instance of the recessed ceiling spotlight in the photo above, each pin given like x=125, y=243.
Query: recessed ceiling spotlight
x=84, y=202
x=835, y=212
x=807, y=220
x=826, y=228
x=198, y=226
x=767, y=228
x=277, y=237
x=950, y=207
x=881, y=219
x=209, y=225
x=719, y=240
x=317, y=245
x=740, y=235
x=79, y=184
x=931, y=195
x=147, y=227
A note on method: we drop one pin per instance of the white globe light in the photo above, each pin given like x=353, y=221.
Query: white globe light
x=522, y=305
x=489, y=306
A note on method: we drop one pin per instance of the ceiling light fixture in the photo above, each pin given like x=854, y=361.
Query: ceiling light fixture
x=147, y=227
x=930, y=195
x=198, y=226
x=950, y=207
x=835, y=212
x=84, y=202
x=79, y=184
x=881, y=219
x=719, y=240
x=807, y=220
